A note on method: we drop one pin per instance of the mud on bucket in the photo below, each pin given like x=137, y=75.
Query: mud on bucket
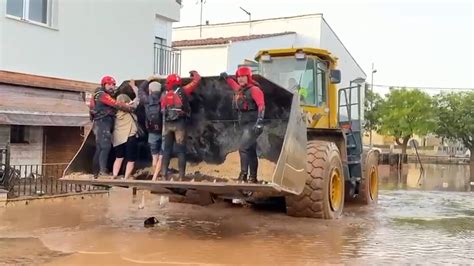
x=214, y=135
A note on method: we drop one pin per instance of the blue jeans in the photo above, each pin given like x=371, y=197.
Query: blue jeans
x=155, y=142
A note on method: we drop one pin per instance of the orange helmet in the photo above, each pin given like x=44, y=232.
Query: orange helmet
x=172, y=81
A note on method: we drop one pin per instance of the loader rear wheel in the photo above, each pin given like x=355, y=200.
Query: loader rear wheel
x=369, y=186
x=323, y=194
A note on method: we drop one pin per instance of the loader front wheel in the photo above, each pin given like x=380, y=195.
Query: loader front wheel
x=323, y=194
x=369, y=185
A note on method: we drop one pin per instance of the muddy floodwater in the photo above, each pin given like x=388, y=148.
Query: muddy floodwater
x=431, y=222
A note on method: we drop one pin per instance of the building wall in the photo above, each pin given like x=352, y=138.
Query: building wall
x=311, y=31
x=350, y=70
x=169, y=9
x=88, y=39
x=212, y=60
x=207, y=60
x=2, y=15
x=163, y=29
x=28, y=153
x=307, y=27
x=61, y=144
x=239, y=51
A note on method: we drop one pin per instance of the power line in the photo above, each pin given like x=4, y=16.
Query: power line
x=420, y=88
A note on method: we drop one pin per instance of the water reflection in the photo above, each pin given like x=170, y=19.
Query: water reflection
x=439, y=177
x=407, y=226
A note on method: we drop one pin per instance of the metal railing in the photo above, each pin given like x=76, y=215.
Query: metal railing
x=4, y=163
x=38, y=180
x=167, y=60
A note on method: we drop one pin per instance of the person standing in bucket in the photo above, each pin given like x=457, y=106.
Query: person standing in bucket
x=103, y=108
x=249, y=103
x=149, y=93
x=176, y=110
x=125, y=139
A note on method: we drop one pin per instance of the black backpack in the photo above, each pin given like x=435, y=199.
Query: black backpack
x=154, y=116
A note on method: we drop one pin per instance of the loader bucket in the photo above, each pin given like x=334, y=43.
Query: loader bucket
x=213, y=144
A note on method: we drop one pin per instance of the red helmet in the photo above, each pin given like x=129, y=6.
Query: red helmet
x=172, y=81
x=107, y=80
x=244, y=71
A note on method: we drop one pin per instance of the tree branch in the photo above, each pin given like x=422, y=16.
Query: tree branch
x=397, y=140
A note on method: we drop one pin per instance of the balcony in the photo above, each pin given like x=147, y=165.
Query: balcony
x=167, y=60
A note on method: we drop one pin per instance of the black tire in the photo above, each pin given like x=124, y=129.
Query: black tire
x=368, y=188
x=324, y=160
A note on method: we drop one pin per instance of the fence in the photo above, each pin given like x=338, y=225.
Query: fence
x=39, y=180
x=4, y=163
x=167, y=60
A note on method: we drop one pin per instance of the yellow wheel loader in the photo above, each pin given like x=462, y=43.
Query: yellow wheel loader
x=310, y=152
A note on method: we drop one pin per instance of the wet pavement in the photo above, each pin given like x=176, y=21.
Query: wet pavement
x=428, y=223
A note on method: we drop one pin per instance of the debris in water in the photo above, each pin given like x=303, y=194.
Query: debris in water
x=142, y=203
x=164, y=200
x=150, y=221
x=237, y=201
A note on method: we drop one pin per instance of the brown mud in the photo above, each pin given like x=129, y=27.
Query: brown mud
x=406, y=227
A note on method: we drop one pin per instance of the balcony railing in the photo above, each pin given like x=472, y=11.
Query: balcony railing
x=167, y=60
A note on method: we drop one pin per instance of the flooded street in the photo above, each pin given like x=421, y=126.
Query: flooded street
x=431, y=222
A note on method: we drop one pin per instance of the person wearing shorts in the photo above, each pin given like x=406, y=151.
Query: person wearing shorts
x=149, y=93
x=125, y=140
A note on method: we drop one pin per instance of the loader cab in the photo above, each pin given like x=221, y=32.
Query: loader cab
x=306, y=75
x=310, y=73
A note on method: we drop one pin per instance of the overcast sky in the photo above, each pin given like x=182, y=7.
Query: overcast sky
x=412, y=43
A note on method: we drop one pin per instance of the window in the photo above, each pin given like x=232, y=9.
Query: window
x=31, y=10
x=321, y=83
x=15, y=8
x=19, y=134
x=307, y=82
x=160, y=41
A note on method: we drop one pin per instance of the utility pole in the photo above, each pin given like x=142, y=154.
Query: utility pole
x=372, y=100
x=200, y=21
x=250, y=19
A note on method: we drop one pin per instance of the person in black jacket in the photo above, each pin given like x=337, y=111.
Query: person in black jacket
x=149, y=93
x=103, y=108
x=249, y=104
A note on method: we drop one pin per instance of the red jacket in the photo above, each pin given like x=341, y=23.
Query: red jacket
x=188, y=88
x=102, y=104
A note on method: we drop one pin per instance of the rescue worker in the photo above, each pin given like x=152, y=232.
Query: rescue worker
x=176, y=110
x=149, y=93
x=249, y=103
x=103, y=109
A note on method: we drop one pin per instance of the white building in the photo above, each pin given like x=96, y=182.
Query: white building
x=84, y=39
x=52, y=51
x=223, y=46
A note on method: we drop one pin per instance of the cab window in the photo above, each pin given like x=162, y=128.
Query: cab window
x=307, y=86
x=321, y=83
